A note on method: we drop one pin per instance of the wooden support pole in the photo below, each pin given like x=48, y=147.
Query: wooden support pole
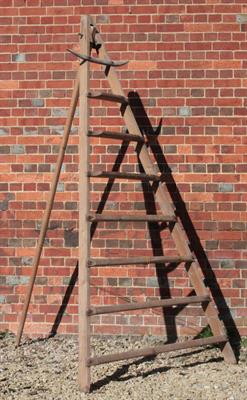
x=49, y=205
x=84, y=234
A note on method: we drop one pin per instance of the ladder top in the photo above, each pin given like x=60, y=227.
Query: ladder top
x=94, y=60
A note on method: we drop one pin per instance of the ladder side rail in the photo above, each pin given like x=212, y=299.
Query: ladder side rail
x=84, y=233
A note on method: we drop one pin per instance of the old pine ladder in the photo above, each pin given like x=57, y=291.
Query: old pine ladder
x=90, y=38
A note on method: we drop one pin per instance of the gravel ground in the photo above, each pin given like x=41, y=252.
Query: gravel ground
x=47, y=369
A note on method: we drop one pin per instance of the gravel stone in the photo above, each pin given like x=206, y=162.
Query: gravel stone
x=47, y=369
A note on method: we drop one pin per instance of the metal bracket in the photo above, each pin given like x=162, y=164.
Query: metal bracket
x=108, y=63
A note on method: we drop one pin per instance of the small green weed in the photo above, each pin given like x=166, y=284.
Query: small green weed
x=3, y=334
x=205, y=333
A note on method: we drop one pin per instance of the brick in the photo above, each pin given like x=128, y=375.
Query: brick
x=152, y=282
x=16, y=280
x=60, y=187
x=4, y=150
x=37, y=102
x=103, y=19
x=212, y=244
x=19, y=57
x=2, y=299
x=3, y=132
x=226, y=187
x=17, y=149
x=241, y=18
x=26, y=260
x=184, y=111
x=142, y=65
x=125, y=282
x=8, y=85
x=71, y=238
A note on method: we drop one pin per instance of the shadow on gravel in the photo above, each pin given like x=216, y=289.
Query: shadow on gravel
x=30, y=341
x=124, y=369
x=191, y=353
x=116, y=376
x=186, y=366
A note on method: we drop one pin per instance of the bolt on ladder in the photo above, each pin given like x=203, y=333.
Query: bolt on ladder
x=90, y=38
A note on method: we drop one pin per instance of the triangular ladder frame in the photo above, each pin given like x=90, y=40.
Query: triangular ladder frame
x=89, y=38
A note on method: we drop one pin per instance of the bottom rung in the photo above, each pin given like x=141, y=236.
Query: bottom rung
x=153, y=351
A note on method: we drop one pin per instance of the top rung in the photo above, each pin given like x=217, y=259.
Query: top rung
x=108, y=97
x=108, y=63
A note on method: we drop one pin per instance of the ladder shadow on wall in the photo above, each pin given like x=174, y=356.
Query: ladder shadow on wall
x=187, y=224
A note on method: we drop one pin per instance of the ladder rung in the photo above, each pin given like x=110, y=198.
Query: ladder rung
x=129, y=217
x=108, y=96
x=147, y=304
x=154, y=351
x=137, y=260
x=117, y=135
x=109, y=63
x=124, y=175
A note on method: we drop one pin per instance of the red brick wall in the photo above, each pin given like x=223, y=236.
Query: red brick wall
x=188, y=62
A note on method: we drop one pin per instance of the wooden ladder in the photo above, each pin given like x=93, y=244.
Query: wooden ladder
x=90, y=38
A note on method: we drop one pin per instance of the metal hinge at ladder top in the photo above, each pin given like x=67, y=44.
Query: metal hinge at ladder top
x=95, y=42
